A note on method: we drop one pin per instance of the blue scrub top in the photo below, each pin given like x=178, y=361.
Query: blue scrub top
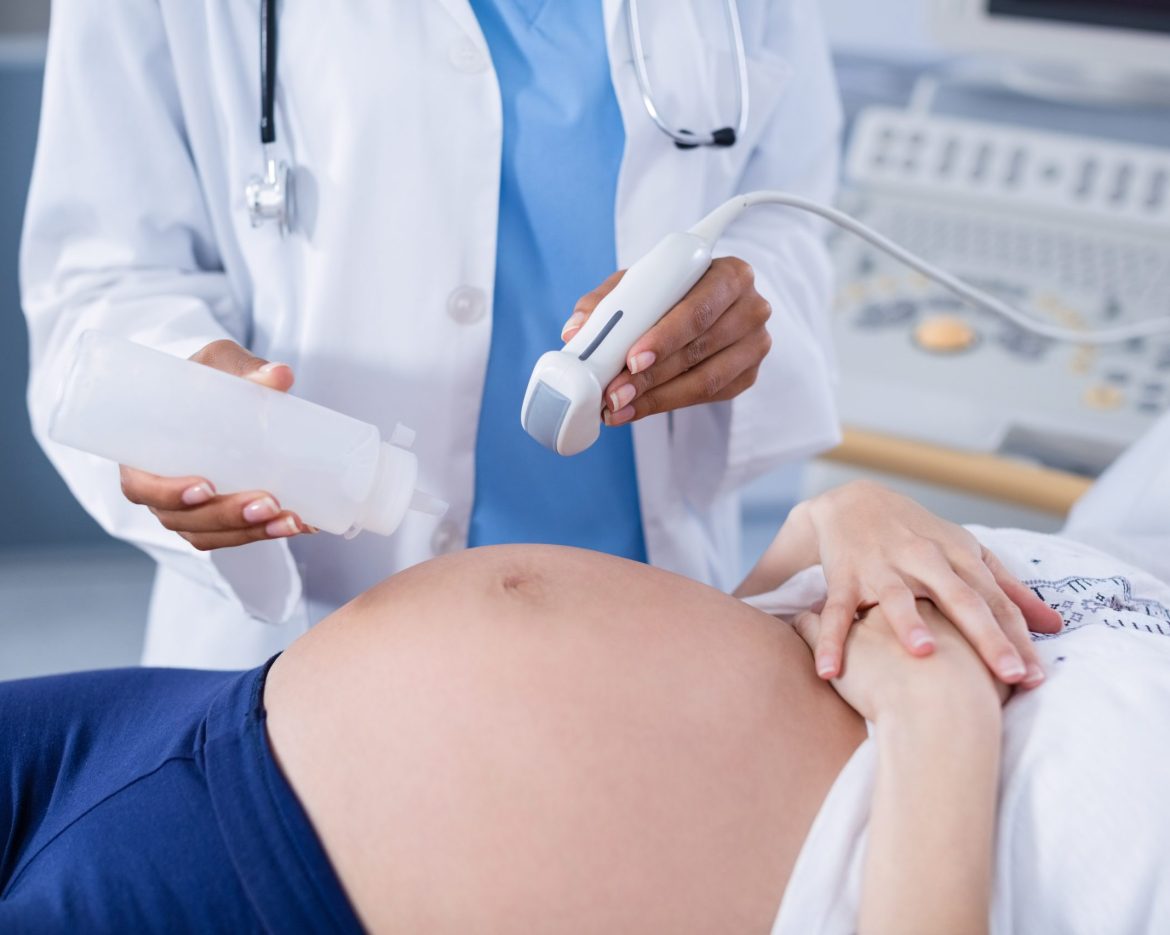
x=562, y=149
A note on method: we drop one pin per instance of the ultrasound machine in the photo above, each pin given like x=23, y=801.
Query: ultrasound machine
x=1067, y=217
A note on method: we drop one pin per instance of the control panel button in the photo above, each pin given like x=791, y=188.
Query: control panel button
x=945, y=334
x=1103, y=396
x=886, y=314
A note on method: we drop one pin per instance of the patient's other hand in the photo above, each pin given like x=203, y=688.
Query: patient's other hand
x=880, y=548
x=879, y=679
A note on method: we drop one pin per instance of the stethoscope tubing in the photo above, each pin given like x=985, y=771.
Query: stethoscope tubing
x=268, y=48
x=685, y=139
x=269, y=196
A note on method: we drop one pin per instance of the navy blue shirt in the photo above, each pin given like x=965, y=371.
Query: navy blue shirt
x=562, y=150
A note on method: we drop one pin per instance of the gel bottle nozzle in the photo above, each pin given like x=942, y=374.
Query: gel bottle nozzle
x=395, y=491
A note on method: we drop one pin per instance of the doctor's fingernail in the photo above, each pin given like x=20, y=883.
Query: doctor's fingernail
x=621, y=417
x=200, y=493
x=921, y=639
x=260, y=510
x=270, y=366
x=1009, y=666
x=285, y=526
x=576, y=320
x=826, y=666
x=640, y=362
x=622, y=397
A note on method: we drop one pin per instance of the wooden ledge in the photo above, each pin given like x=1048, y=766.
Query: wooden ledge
x=992, y=476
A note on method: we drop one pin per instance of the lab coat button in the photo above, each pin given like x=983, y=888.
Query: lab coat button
x=447, y=538
x=466, y=57
x=467, y=305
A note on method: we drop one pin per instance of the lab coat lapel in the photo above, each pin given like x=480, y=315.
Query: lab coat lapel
x=464, y=16
x=614, y=10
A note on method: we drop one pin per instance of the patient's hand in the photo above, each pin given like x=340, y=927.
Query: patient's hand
x=879, y=679
x=878, y=547
x=928, y=863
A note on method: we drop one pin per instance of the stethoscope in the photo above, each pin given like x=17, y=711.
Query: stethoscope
x=269, y=197
x=685, y=139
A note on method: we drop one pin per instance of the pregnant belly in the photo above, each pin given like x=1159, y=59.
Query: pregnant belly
x=528, y=738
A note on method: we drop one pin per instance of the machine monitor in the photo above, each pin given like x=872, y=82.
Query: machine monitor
x=1102, y=37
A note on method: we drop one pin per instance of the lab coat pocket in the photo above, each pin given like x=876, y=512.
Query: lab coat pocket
x=768, y=76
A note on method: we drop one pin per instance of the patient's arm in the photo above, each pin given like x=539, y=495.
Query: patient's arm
x=878, y=547
x=928, y=866
x=533, y=739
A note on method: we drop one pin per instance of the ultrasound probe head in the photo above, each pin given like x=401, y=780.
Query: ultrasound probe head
x=562, y=408
x=563, y=403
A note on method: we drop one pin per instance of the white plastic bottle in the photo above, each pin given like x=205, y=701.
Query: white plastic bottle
x=175, y=417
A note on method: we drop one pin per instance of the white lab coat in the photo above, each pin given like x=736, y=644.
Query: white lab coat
x=381, y=300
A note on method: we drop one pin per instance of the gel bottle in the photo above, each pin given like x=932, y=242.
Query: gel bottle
x=175, y=417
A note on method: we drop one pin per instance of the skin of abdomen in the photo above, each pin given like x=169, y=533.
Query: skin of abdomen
x=529, y=738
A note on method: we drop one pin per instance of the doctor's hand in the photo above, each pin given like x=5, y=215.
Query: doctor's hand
x=881, y=549
x=708, y=348
x=191, y=506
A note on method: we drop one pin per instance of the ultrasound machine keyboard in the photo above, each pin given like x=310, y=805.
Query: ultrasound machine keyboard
x=1011, y=211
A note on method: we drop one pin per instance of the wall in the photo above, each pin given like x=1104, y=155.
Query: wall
x=24, y=16
x=880, y=27
x=38, y=508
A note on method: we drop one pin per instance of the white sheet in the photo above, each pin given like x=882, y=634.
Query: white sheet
x=1084, y=824
x=1127, y=512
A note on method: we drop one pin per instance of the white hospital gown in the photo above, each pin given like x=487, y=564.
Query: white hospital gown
x=1083, y=843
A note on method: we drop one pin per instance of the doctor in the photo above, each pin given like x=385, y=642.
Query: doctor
x=465, y=171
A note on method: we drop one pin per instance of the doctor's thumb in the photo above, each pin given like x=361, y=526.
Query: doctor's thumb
x=230, y=357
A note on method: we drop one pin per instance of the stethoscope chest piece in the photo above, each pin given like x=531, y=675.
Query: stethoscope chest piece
x=269, y=197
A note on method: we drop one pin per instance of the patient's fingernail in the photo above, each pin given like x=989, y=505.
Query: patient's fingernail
x=1010, y=667
x=199, y=493
x=621, y=417
x=921, y=639
x=285, y=526
x=640, y=362
x=576, y=320
x=1034, y=676
x=621, y=397
x=260, y=510
x=270, y=366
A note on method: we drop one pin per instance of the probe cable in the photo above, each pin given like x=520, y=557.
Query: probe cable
x=711, y=228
